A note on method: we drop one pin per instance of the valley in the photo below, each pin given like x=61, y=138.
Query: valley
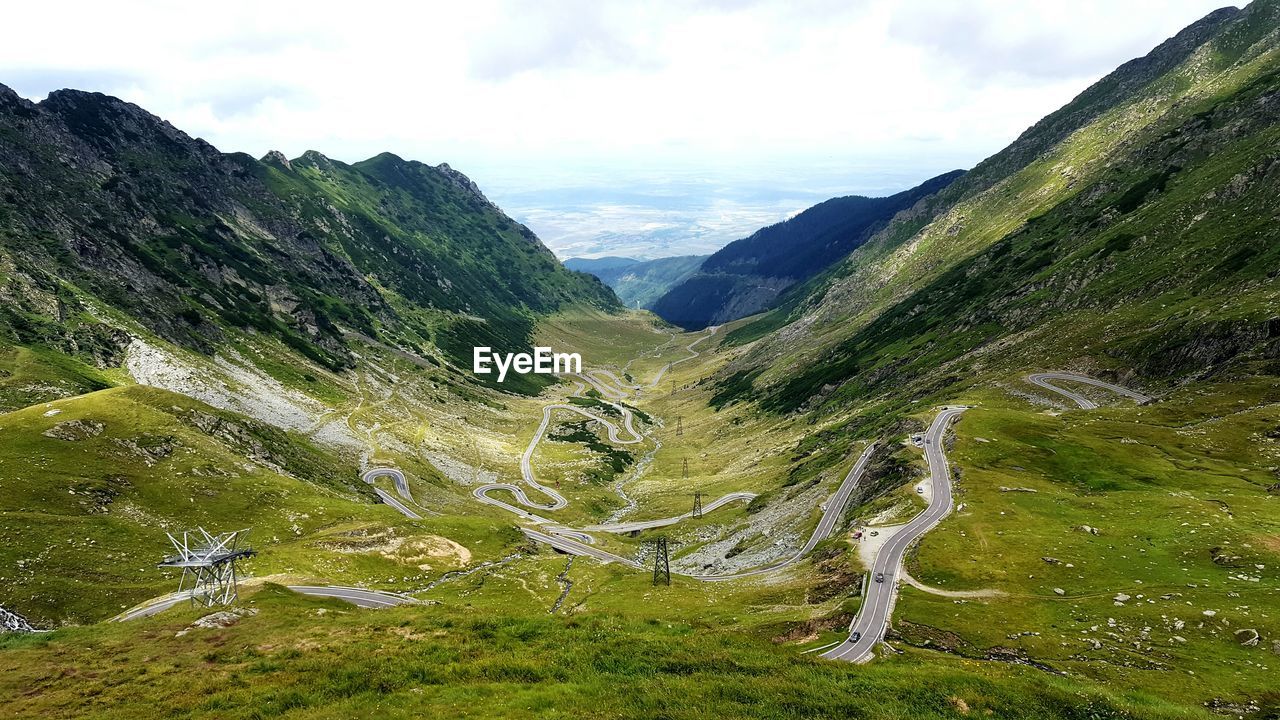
x=1004, y=444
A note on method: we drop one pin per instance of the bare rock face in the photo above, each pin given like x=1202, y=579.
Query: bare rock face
x=73, y=430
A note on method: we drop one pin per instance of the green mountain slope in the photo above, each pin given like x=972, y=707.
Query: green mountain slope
x=746, y=276
x=98, y=196
x=1143, y=242
x=639, y=283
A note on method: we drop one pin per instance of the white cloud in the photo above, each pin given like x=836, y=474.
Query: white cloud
x=549, y=89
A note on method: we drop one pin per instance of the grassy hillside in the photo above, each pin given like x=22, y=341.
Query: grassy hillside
x=448, y=661
x=1109, y=563
x=1141, y=244
x=99, y=197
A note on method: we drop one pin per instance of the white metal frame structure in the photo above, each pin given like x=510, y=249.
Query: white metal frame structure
x=208, y=564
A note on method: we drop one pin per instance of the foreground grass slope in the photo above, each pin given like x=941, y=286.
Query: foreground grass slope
x=301, y=658
x=92, y=483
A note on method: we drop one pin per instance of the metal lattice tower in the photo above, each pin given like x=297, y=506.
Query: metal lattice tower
x=684, y=468
x=697, y=504
x=679, y=425
x=208, y=564
x=661, y=562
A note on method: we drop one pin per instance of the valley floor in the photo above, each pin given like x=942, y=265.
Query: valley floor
x=1107, y=562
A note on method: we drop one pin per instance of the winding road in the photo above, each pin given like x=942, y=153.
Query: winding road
x=579, y=542
x=1043, y=380
x=869, y=624
x=558, y=501
x=402, y=487
x=638, y=525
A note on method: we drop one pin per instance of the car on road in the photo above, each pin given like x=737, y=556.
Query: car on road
x=855, y=637
x=880, y=577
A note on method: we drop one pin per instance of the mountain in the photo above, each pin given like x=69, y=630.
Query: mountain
x=1095, y=554
x=593, y=265
x=639, y=283
x=1129, y=233
x=747, y=275
x=100, y=199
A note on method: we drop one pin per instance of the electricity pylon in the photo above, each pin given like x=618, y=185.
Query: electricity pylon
x=208, y=565
x=661, y=562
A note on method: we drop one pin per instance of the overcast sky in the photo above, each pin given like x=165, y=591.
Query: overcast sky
x=535, y=97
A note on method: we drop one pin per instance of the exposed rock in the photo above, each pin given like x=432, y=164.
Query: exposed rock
x=275, y=157
x=73, y=430
x=220, y=619
x=150, y=449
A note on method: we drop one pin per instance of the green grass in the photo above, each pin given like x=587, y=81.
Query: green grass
x=82, y=521
x=1169, y=488
x=323, y=659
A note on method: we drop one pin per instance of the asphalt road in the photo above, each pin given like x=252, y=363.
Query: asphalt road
x=573, y=547
x=873, y=618
x=627, y=527
x=355, y=596
x=397, y=477
x=618, y=395
x=831, y=512
x=1042, y=380
x=402, y=487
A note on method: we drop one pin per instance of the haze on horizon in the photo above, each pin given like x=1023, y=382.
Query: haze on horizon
x=610, y=129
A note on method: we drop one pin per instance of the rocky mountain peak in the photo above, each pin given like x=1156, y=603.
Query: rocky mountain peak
x=275, y=157
x=462, y=181
x=316, y=159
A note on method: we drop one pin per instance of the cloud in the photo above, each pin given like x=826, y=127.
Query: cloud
x=1037, y=41
x=582, y=36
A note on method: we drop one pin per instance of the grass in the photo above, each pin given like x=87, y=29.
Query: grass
x=322, y=659
x=83, y=520
x=1184, y=524
x=618, y=646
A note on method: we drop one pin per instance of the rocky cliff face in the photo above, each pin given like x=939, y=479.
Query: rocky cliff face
x=99, y=198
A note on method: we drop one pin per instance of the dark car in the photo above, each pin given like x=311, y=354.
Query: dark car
x=855, y=637
x=879, y=577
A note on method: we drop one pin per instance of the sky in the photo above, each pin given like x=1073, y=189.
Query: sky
x=643, y=129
